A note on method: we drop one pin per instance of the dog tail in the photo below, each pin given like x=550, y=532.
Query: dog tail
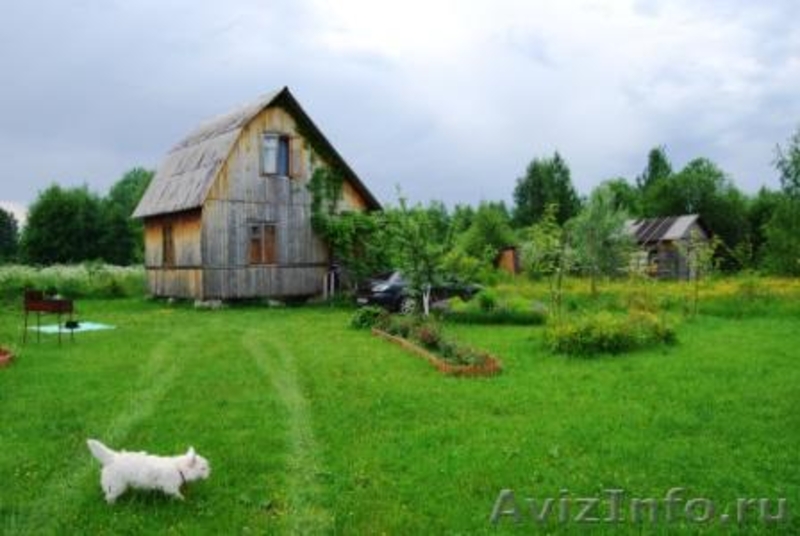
x=103, y=454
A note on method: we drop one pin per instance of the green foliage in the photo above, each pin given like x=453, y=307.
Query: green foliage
x=605, y=332
x=546, y=182
x=699, y=253
x=489, y=232
x=68, y=225
x=625, y=197
x=9, y=236
x=759, y=212
x=416, y=250
x=326, y=186
x=658, y=169
x=428, y=333
x=547, y=252
x=488, y=307
x=357, y=240
x=87, y=280
x=598, y=235
x=64, y=226
x=368, y=317
x=782, y=233
x=123, y=240
x=787, y=162
x=486, y=300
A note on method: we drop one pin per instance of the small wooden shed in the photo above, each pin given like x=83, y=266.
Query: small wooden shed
x=658, y=240
x=228, y=212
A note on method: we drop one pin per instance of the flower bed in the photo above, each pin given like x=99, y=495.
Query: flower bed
x=485, y=365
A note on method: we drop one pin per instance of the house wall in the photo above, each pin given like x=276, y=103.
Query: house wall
x=241, y=196
x=184, y=278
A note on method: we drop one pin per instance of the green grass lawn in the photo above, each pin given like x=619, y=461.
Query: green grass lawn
x=311, y=427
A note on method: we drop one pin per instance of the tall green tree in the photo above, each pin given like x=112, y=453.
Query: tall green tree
x=787, y=162
x=658, y=168
x=9, y=236
x=625, y=196
x=546, y=252
x=416, y=254
x=547, y=181
x=123, y=241
x=489, y=232
x=783, y=230
x=599, y=238
x=760, y=210
x=64, y=226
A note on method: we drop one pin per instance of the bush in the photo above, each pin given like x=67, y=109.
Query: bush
x=428, y=334
x=607, y=333
x=88, y=280
x=367, y=317
x=488, y=309
x=487, y=300
x=500, y=316
x=399, y=325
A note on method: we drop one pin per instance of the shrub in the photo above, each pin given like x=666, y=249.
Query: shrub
x=607, y=333
x=399, y=325
x=428, y=334
x=88, y=280
x=367, y=317
x=501, y=316
x=487, y=300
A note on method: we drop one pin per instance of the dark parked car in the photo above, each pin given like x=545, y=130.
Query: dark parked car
x=391, y=291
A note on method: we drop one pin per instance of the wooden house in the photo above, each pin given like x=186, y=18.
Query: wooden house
x=658, y=240
x=228, y=212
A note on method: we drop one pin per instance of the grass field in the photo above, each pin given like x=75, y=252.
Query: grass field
x=314, y=428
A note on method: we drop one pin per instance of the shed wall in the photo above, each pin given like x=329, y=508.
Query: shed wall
x=184, y=277
x=242, y=196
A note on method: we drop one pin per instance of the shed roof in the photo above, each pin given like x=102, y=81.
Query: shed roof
x=652, y=230
x=186, y=174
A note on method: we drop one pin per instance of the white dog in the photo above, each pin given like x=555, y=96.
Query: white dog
x=145, y=471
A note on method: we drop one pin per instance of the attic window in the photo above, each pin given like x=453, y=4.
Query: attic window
x=282, y=155
x=275, y=154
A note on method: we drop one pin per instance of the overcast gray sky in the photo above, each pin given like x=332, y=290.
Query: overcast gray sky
x=449, y=99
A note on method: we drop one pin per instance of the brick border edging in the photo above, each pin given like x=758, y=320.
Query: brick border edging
x=491, y=367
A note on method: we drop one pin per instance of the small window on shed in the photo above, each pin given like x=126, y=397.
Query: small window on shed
x=275, y=154
x=262, y=244
x=167, y=245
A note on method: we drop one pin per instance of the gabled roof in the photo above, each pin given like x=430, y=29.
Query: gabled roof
x=186, y=174
x=650, y=231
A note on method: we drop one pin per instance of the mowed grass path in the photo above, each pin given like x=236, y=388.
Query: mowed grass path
x=314, y=428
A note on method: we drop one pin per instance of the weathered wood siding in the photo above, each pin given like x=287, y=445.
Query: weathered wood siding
x=242, y=196
x=184, y=279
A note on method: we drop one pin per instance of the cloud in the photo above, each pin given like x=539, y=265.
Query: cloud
x=18, y=210
x=448, y=99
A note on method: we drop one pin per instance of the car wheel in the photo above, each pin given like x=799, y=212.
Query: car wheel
x=408, y=306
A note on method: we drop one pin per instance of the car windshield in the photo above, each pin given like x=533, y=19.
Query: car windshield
x=395, y=277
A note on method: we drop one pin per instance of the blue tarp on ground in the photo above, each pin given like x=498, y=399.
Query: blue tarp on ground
x=82, y=326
